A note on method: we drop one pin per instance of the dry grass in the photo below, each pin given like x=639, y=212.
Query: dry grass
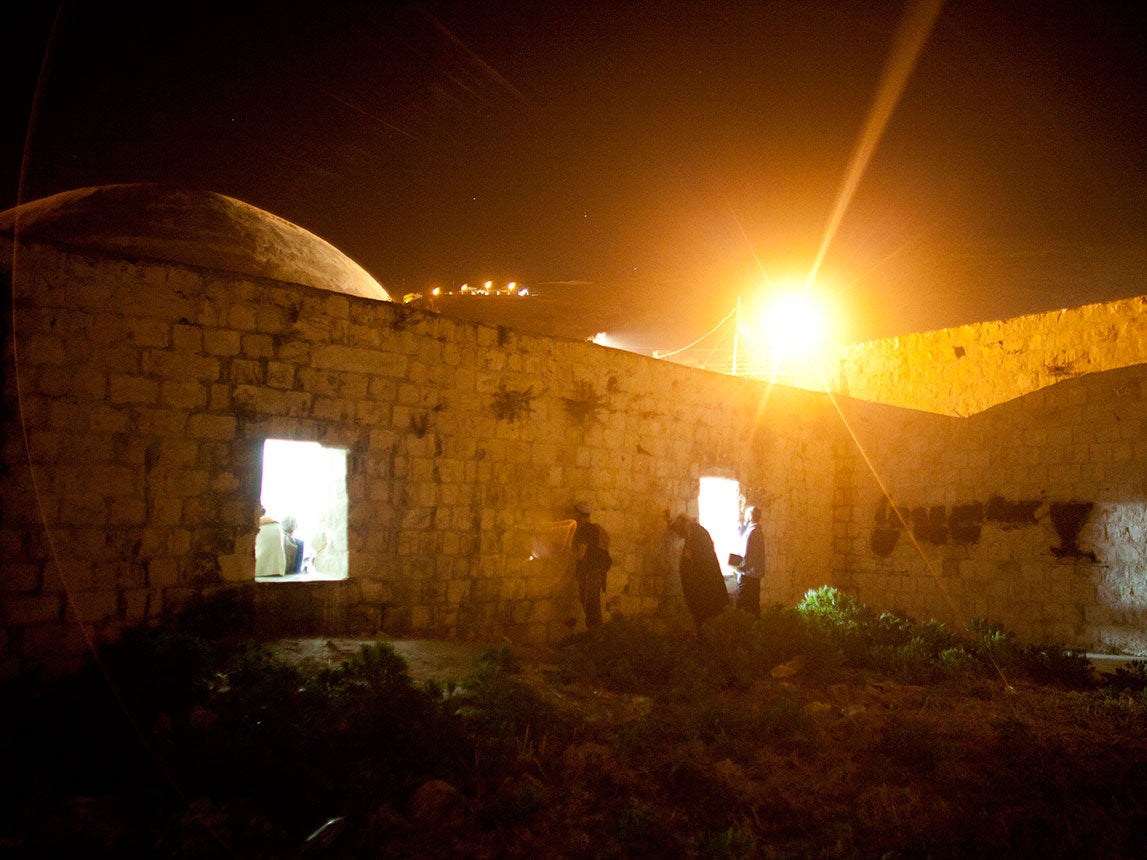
x=635, y=742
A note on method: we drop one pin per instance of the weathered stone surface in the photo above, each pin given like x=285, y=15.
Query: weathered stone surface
x=463, y=449
x=187, y=228
x=965, y=370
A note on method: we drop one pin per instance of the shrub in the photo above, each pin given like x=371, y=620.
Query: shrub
x=155, y=671
x=505, y=715
x=1131, y=677
x=998, y=648
x=832, y=609
x=627, y=655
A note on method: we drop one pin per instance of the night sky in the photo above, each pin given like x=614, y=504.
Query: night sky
x=659, y=158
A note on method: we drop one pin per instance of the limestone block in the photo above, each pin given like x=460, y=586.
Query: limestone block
x=43, y=349
x=219, y=398
x=127, y=511
x=244, y=372
x=182, y=394
x=410, y=395
x=365, y=619
x=462, y=518
x=184, y=338
x=207, y=426
x=164, y=572
x=136, y=606
x=409, y=542
x=421, y=617
x=21, y=578
x=374, y=592
x=27, y=609
x=179, y=543
x=271, y=320
x=272, y=402
x=374, y=413
x=451, y=354
x=132, y=389
x=333, y=409
x=254, y=347
x=59, y=643
x=221, y=342
x=238, y=316
x=363, y=335
x=174, y=365
x=382, y=390
x=334, y=306
x=323, y=331
x=354, y=388
x=237, y=567
x=358, y=360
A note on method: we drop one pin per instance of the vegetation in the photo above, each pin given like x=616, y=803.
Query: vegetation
x=826, y=730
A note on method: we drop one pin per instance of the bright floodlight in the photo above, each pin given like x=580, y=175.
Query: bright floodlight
x=795, y=325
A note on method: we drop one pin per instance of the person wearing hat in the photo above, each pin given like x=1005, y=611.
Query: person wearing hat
x=591, y=561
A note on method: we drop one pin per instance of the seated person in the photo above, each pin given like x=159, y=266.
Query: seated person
x=292, y=546
x=270, y=558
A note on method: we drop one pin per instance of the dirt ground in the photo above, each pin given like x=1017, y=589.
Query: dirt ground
x=440, y=660
x=452, y=660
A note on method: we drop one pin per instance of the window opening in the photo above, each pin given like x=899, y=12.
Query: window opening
x=303, y=495
x=719, y=511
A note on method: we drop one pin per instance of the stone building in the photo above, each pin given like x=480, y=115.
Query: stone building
x=163, y=349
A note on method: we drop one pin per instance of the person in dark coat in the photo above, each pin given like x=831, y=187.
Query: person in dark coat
x=701, y=579
x=591, y=562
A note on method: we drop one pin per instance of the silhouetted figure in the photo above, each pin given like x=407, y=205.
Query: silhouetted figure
x=591, y=562
x=701, y=579
x=752, y=566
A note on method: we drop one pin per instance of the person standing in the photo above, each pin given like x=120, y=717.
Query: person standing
x=701, y=579
x=591, y=562
x=752, y=566
x=270, y=559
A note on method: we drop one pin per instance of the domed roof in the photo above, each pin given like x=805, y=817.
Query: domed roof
x=194, y=228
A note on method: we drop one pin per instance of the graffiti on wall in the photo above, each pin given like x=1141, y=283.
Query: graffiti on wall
x=963, y=524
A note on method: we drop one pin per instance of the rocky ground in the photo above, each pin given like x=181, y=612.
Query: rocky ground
x=572, y=752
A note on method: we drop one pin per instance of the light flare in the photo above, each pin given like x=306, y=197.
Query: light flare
x=796, y=325
x=915, y=27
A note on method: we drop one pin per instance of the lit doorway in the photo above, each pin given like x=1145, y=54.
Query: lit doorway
x=719, y=511
x=306, y=482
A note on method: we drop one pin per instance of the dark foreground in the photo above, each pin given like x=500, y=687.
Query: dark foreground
x=784, y=738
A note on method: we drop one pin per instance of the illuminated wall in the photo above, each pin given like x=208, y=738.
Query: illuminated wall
x=146, y=391
x=146, y=388
x=970, y=368
x=1032, y=514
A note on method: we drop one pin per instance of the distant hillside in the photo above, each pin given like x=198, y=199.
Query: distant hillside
x=580, y=311
x=569, y=313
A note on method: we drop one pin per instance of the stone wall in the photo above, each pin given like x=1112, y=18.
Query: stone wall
x=145, y=390
x=970, y=368
x=1032, y=514
x=133, y=431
